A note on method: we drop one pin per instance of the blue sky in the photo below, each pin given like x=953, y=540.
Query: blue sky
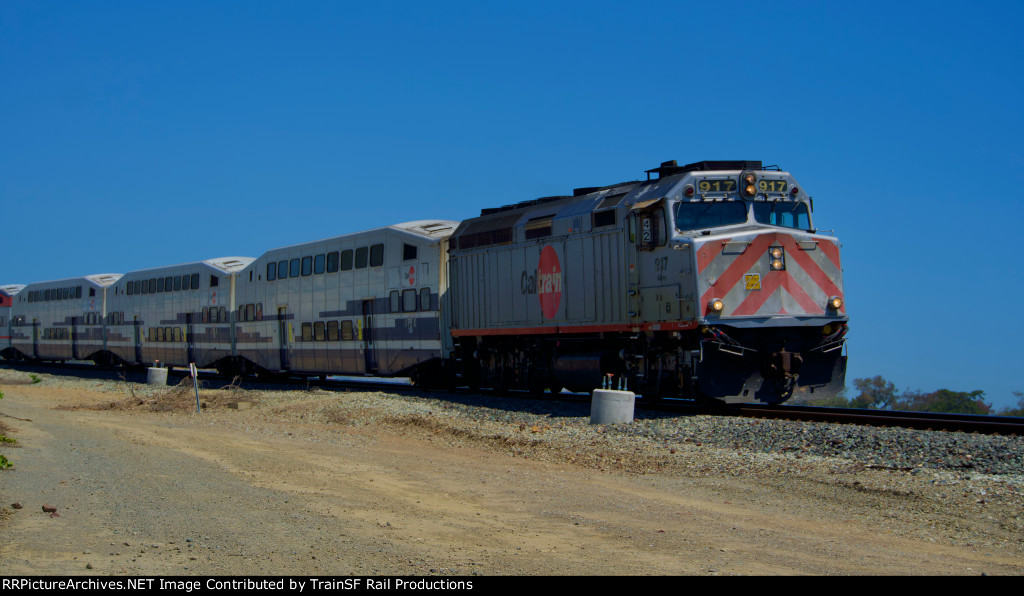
x=142, y=134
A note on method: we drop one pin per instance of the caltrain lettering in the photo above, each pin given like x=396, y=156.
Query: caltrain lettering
x=705, y=281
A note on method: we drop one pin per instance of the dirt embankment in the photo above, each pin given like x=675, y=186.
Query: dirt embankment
x=368, y=483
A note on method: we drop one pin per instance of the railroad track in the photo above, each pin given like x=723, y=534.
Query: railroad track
x=1004, y=425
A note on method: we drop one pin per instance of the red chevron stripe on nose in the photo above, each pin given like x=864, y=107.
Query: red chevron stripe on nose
x=732, y=275
x=773, y=280
x=810, y=267
x=783, y=282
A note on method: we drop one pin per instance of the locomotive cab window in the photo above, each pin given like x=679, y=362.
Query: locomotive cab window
x=783, y=213
x=699, y=216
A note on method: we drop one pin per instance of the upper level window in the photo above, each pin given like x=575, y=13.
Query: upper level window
x=332, y=262
x=271, y=271
x=307, y=266
x=319, y=263
x=361, y=254
x=346, y=259
x=376, y=255
x=409, y=252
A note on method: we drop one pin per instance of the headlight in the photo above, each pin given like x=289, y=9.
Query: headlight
x=778, y=265
x=835, y=303
x=776, y=252
x=749, y=183
x=716, y=305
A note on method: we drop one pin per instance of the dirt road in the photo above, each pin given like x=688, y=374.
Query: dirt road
x=274, y=489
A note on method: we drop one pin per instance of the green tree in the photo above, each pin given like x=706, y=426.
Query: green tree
x=874, y=393
x=946, y=401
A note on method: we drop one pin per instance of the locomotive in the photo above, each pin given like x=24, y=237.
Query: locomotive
x=704, y=281
x=707, y=280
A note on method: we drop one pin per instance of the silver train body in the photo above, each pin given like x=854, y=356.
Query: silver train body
x=704, y=281
x=7, y=294
x=364, y=303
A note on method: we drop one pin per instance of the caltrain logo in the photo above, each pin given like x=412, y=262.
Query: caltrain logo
x=547, y=283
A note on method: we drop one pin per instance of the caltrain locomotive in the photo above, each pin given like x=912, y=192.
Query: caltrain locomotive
x=704, y=281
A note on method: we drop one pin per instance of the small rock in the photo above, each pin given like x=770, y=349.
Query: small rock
x=49, y=508
x=88, y=565
x=16, y=505
x=54, y=514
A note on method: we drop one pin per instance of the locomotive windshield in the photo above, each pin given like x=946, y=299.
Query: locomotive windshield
x=697, y=216
x=703, y=215
x=783, y=213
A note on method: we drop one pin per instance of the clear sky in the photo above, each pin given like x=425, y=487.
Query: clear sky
x=139, y=134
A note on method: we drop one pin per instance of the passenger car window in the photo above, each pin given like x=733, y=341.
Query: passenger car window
x=361, y=253
x=318, y=264
x=332, y=262
x=376, y=255
x=409, y=300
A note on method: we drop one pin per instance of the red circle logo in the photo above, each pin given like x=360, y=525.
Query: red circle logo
x=412, y=275
x=549, y=282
